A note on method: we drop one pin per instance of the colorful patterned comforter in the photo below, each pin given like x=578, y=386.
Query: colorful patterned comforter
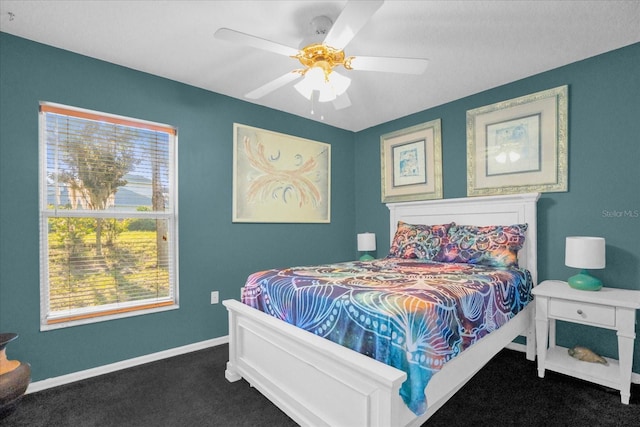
x=410, y=314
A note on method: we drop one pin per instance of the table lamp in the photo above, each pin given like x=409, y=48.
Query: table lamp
x=366, y=243
x=585, y=253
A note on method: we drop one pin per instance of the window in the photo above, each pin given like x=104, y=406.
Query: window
x=108, y=216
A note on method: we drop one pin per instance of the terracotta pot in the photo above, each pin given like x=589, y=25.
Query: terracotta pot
x=14, y=378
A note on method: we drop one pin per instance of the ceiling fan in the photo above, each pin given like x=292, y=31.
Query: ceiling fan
x=320, y=55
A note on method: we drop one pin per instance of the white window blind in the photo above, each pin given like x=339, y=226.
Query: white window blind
x=108, y=198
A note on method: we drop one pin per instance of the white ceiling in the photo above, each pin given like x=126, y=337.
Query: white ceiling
x=471, y=45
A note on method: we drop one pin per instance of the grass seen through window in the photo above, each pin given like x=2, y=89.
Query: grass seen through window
x=127, y=269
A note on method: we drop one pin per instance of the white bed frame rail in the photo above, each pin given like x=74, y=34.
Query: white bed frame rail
x=319, y=383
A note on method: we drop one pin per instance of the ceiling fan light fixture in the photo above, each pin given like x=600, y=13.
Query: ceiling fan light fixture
x=329, y=85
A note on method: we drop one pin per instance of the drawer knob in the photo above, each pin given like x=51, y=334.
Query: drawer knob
x=579, y=312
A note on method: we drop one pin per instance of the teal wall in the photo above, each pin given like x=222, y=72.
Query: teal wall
x=216, y=254
x=604, y=173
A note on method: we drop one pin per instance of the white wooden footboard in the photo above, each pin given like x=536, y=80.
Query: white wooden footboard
x=320, y=383
x=314, y=381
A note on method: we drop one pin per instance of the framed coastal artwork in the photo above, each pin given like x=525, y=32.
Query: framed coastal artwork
x=519, y=145
x=411, y=163
x=280, y=178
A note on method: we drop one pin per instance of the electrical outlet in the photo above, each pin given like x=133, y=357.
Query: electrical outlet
x=214, y=297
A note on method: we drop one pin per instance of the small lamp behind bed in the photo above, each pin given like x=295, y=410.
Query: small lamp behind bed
x=585, y=252
x=366, y=243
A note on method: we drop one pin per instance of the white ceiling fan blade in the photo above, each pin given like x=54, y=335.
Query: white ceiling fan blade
x=253, y=41
x=273, y=85
x=352, y=18
x=389, y=65
x=342, y=101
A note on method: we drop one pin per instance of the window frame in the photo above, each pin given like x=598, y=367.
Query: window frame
x=94, y=314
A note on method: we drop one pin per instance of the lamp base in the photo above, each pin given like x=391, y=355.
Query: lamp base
x=366, y=257
x=585, y=282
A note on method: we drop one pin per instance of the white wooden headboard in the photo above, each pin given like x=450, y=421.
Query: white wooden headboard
x=487, y=210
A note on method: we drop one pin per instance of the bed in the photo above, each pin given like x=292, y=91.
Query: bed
x=319, y=382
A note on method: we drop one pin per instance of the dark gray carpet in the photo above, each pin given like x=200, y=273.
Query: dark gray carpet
x=190, y=390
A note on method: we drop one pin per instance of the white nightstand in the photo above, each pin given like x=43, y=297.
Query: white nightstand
x=608, y=308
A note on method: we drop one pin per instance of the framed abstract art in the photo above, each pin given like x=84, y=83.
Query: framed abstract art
x=280, y=178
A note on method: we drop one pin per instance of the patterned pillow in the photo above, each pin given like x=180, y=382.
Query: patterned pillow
x=495, y=245
x=418, y=241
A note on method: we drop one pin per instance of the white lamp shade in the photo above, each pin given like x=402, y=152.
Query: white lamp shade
x=366, y=242
x=339, y=83
x=585, y=252
x=315, y=80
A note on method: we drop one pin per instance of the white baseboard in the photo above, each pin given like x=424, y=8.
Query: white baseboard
x=105, y=369
x=100, y=370
x=517, y=347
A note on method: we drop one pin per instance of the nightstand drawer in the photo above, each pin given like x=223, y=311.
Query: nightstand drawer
x=582, y=312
